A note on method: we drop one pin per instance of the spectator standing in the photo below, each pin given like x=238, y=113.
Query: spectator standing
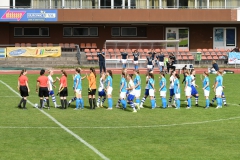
x=101, y=60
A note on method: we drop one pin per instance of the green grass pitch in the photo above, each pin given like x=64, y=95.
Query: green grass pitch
x=197, y=133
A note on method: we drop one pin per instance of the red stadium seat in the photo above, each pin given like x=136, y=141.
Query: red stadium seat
x=39, y=44
x=23, y=45
x=93, y=50
x=50, y=45
x=184, y=58
x=86, y=50
x=94, y=45
x=215, y=58
x=82, y=45
x=88, y=45
x=17, y=45
x=28, y=45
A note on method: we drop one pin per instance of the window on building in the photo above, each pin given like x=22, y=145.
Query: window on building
x=80, y=31
x=115, y=31
x=67, y=31
x=129, y=31
x=31, y=31
x=21, y=3
x=224, y=37
x=181, y=34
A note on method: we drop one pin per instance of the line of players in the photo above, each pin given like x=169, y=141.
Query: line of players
x=128, y=91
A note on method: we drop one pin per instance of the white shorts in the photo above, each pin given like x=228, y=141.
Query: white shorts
x=177, y=96
x=124, y=61
x=163, y=93
x=161, y=63
x=138, y=93
x=188, y=91
x=135, y=62
x=109, y=91
x=151, y=92
x=206, y=93
x=78, y=91
x=123, y=95
x=149, y=66
x=219, y=91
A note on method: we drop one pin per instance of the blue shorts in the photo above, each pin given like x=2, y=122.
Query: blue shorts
x=147, y=92
x=171, y=92
x=194, y=91
x=101, y=93
x=130, y=97
x=51, y=93
x=222, y=93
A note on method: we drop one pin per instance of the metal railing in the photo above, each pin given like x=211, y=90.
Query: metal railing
x=117, y=7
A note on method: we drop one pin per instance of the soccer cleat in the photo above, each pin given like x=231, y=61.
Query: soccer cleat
x=48, y=108
x=69, y=104
x=138, y=106
x=117, y=106
x=196, y=105
x=206, y=107
x=101, y=105
x=177, y=108
x=134, y=111
x=153, y=108
x=174, y=105
x=169, y=106
x=19, y=106
x=188, y=108
x=141, y=105
x=109, y=108
x=225, y=104
x=210, y=104
x=97, y=105
x=185, y=101
x=24, y=108
x=75, y=109
x=218, y=107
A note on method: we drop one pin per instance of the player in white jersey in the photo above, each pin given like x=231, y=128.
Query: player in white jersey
x=194, y=92
x=51, y=91
x=171, y=89
x=131, y=91
x=101, y=91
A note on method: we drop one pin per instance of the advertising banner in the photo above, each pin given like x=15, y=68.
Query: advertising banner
x=2, y=52
x=34, y=52
x=24, y=15
x=234, y=58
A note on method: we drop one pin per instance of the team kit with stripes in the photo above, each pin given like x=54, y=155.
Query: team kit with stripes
x=129, y=90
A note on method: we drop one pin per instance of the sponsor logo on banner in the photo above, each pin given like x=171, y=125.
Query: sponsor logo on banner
x=17, y=52
x=13, y=15
x=34, y=51
x=234, y=58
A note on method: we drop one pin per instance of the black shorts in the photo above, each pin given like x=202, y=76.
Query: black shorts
x=92, y=92
x=43, y=92
x=64, y=92
x=24, y=91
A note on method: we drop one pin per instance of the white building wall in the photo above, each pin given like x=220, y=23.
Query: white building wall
x=4, y=3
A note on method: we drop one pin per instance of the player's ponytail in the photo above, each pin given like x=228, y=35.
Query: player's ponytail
x=93, y=71
x=177, y=75
x=123, y=75
x=110, y=73
x=64, y=72
x=130, y=75
x=137, y=71
x=21, y=73
x=163, y=74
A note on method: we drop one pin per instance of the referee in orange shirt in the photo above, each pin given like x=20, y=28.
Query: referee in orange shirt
x=23, y=88
x=43, y=86
x=92, y=88
x=63, y=89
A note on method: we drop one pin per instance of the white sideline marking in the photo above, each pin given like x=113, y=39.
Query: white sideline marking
x=125, y=127
x=62, y=126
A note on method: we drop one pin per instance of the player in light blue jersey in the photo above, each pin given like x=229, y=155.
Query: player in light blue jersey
x=163, y=89
x=109, y=89
x=223, y=99
x=206, y=88
x=101, y=91
x=188, y=89
x=151, y=90
x=177, y=90
x=137, y=83
x=218, y=88
x=77, y=81
x=122, y=91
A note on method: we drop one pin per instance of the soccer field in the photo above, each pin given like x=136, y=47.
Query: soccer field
x=197, y=133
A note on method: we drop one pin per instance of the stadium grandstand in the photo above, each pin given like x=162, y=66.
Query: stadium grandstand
x=81, y=28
